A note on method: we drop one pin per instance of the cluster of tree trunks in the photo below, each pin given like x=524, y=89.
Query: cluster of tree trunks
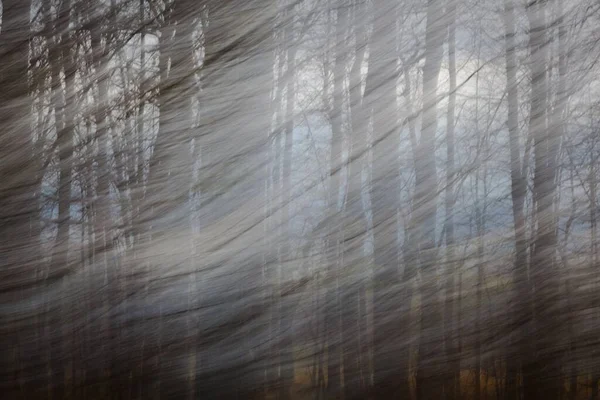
x=165, y=133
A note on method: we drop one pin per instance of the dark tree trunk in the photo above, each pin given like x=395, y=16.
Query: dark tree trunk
x=19, y=251
x=62, y=60
x=518, y=192
x=542, y=370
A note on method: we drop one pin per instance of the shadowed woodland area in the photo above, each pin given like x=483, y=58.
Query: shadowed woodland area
x=299, y=199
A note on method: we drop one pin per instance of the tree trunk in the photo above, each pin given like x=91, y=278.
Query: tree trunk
x=354, y=352
x=429, y=375
x=453, y=358
x=335, y=251
x=542, y=374
x=380, y=99
x=64, y=103
x=518, y=192
x=594, y=260
x=286, y=360
x=19, y=254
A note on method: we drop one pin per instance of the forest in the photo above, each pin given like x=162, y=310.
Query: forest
x=299, y=199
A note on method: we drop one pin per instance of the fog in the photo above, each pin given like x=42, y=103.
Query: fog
x=299, y=199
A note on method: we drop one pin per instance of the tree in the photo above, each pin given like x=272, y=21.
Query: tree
x=429, y=374
x=541, y=377
x=184, y=210
x=355, y=221
x=453, y=374
x=518, y=190
x=19, y=248
x=380, y=100
x=334, y=331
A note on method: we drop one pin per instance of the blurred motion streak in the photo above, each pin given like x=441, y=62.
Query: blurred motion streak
x=299, y=199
